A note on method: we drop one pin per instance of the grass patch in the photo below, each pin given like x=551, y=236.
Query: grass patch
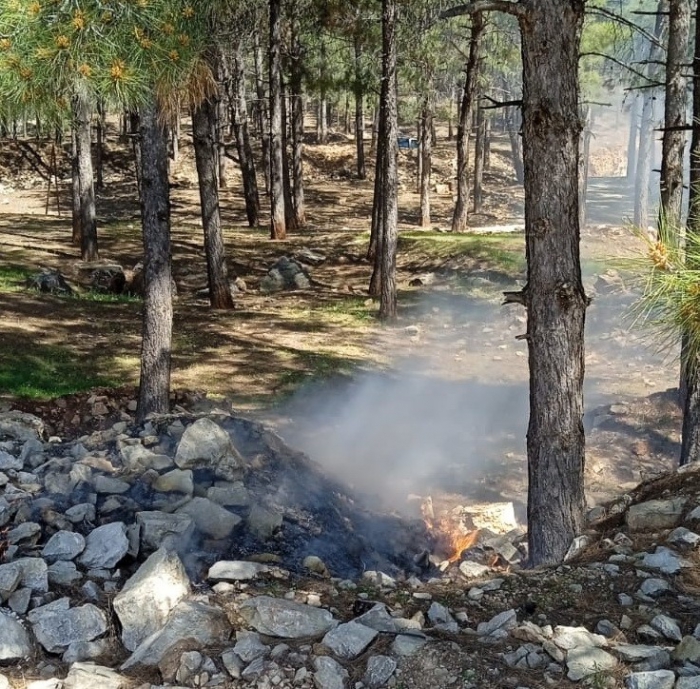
x=13, y=278
x=46, y=371
x=311, y=367
x=504, y=251
x=351, y=309
x=105, y=297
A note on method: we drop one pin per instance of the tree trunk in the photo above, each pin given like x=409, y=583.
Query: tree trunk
x=516, y=145
x=99, y=149
x=633, y=139
x=461, y=212
x=359, y=110
x=690, y=444
x=154, y=385
x=322, y=120
x=376, y=229
x=389, y=182
x=75, y=187
x=585, y=147
x=646, y=127
x=426, y=162
x=88, y=219
x=261, y=110
x=555, y=298
x=479, y=157
x=487, y=143
x=203, y=128
x=278, y=225
x=673, y=143
x=241, y=133
x=297, y=106
x=290, y=215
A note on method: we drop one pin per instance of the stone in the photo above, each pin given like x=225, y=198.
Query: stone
x=9, y=462
x=653, y=657
x=687, y=650
x=249, y=647
x=285, y=618
x=162, y=528
x=24, y=532
x=667, y=626
x=577, y=637
x=21, y=426
x=205, y=444
x=63, y=573
x=57, y=625
x=145, y=601
x=665, y=560
x=19, y=601
x=654, y=587
x=379, y=670
x=108, y=485
x=378, y=618
x=262, y=522
x=441, y=618
x=329, y=674
x=175, y=481
x=105, y=546
x=79, y=651
x=380, y=579
x=407, y=644
x=683, y=538
x=285, y=274
x=91, y=676
x=14, y=639
x=236, y=570
x=586, y=661
x=229, y=494
x=504, y=620
x=655, y=515
x=209, y=518
x=657, y=679
x=688, y=683
x=348, y=640
x=137, y=459
x=34, y=573
x=10, y=578
x=191, y=622
x=63, y=545
x=83, y=512
x=472, y=570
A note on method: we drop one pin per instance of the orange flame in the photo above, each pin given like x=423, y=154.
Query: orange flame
x=452, y=539
x=460, y=542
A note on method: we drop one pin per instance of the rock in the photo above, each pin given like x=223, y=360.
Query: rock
x=687, y=650
x=285, y=618
x=209, y=518
x=378, y=618
x=285, y=274
x=190, y=622
x=10, y=578
x=313, y=258
x=329, y=674
x=236, y=570
x=57, y=625
x=21, y=426
x=379, y=669
x=441, y=618
x=683, y=538
x=229, y=494
x=161, y=528
x=14, y=639
x=9, y=462
x=24, y=532
x=19, y=601
x=64, y=573
x=105, y=546
x=654, y=515
x=472, y=570
x=34, y=573
x=586, y=661
x=138, y=459
x=654, y=587
x=348, y=640
x=249, y=647
x=80, y=651
x=688, y=683
x=379, y=579
x=63, y=545
x=667, y=626
x=91, y=676
x=503, y=621
x=609, y=282
x=407, y=644
x=177, y=481
x=652, y=657
x=108, y=485
x=262, y=522
x=657, y=679
x=205, y=444
x=315, y=564
x=577, y=637
x=665, y=560
x=145, y=601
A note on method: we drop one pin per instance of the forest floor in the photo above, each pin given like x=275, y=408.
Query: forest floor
x=437, y=402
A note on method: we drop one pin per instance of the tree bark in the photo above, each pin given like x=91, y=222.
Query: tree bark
x=241, y=133
x=289, y=214
x=673, y=143
x=461, y=211
x=75, y=188
x=154, y=385
x=86, y=180
x=203, y=128
x=479, y=158
x=359, y=109
x=487, y=143
x=261, y=110
x=99, y=148
x=555, y=298
x=690, y=437
x=426, y=153
x=297, y=107
x=516, y=145
x=633, y=138
x=389, y=207
x=278, y=225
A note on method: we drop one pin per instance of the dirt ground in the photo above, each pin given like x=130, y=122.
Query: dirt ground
x=436, y=403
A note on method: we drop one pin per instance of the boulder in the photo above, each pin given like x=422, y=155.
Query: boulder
x=209, y=518
x=14, y=639
x=204, y=444
x=285, y=274
x=379, y=670
x=63, y=545
x=50, y=281
x=91, y=676
x=285, y=618
x=105, y=546
x=654, y=515
x=162, y=528
x=348, y=640
x=236, y=570
x=21, y=426
x=657, y=679
x=329, y=674
x=145, y=601
x=586, y=661
x=57, y=625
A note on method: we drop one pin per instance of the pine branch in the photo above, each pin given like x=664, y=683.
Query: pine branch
x=592, y=53
x=515, y=8
x=594, y=9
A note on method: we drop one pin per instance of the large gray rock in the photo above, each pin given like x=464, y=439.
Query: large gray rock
x=407, y=644
x=249, y=647
x=348, y=640
x=576, y=637
x=175, y=481
x=105, y=546
x=687, y=650
x=665, y=560
x=236, y=570
x=14, y=639
x=162, y=528
x=503, y=621
x=651, y=657
x=9, y=462
x=211, y=519
x=10, y=577
x=285, y=618
x=191, y=622
x=57, y=625
x=137, y=459
x=378, y=618
x=667, y=626
x=657, y=679
x=586, y=661
x=205, y=444
x=379, y=669
x=688, y=683
x=64, y=573
x=21, y=426
x=91, y=676
x=145, y=602
x=63, y=545
x=285, y=274
x=34, y=573
x=329, y=674
x=656, y=514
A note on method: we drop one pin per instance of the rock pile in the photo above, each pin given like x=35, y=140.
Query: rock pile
x=192, y=553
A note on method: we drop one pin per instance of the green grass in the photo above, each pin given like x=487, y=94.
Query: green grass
x=354, y=308
x=105, y=297
x=312, y=366
x=46, y=372
x=13, y=278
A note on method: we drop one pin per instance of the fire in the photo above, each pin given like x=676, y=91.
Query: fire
x=461, y=542
x=451, y=537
